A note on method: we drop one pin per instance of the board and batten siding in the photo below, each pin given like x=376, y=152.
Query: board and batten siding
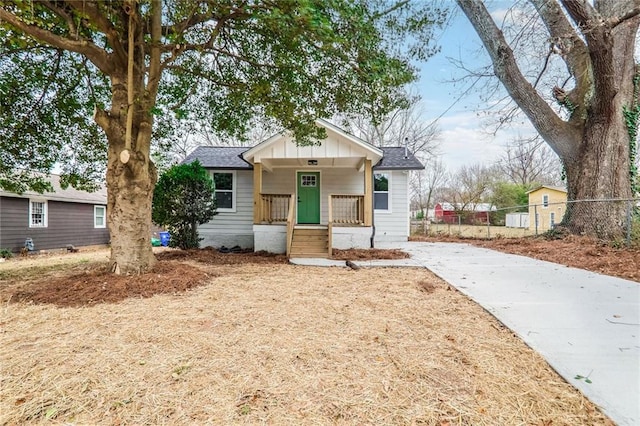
x=67, y=223
x=394, y=225
x=232, y=228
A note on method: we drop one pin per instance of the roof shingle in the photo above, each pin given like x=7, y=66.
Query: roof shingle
x=219, y=157
x=230, y=157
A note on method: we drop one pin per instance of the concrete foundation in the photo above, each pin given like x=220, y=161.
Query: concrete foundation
x=271, y=238
x=347, y=237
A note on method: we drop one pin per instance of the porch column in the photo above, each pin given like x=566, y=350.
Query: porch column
x=257, y=189
x=368, y=193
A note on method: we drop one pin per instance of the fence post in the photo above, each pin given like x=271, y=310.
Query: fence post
x=488, y=227
x=460, y=225
x=535, y=216
x=629, y=209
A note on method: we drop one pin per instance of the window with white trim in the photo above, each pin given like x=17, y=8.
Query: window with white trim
x=552, y=220
x=381, y=191
x=99, y=217
x=545, y=201
x=37, y=214
x=225, y=191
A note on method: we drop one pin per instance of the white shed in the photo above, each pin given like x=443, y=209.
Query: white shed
x=517, y=220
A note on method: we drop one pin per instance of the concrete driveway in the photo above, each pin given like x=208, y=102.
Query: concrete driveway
x=586, y=325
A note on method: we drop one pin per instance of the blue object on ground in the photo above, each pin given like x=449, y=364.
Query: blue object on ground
x=164, y=238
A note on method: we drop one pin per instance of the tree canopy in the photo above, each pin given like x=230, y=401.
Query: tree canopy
x=214, y=62
x=103, y=79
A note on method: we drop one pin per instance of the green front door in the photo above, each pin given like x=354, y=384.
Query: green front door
x=308, y=197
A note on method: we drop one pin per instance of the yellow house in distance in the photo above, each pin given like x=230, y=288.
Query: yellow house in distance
x=547, y=205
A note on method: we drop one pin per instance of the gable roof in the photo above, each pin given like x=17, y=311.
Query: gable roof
x=554, y=188
x=338, y=144
x=69, y=195
x=219, y=157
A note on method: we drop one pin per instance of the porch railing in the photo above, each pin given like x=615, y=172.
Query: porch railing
x=346, y=209
x=275, y=207
x=290, y=223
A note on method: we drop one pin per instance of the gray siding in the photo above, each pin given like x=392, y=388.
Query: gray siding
x=233, y=228
x=394, y=225
x=67, y=223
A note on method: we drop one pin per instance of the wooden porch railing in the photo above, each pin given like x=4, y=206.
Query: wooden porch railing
x=346, y=209
x=290, y=223
x=274, y=207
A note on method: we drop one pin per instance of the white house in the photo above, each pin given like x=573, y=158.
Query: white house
x=305, y=200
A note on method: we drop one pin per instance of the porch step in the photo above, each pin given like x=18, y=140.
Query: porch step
x=310, y=242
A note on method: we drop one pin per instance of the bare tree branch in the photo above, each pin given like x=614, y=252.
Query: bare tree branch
x=543, y=117
x=98, y=56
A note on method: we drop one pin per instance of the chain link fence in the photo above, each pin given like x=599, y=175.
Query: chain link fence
x=615, y=220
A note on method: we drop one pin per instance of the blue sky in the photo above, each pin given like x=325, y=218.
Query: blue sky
x=462, y=140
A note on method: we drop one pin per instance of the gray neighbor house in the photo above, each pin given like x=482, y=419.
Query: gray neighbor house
x=54, y=219
x=308, y=200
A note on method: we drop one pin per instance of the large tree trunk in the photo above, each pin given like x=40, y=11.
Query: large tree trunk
x=600, y=171
x=129, y=186
x=593, y=143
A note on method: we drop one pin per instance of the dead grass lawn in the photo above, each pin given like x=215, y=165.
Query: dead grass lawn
x=279, y=344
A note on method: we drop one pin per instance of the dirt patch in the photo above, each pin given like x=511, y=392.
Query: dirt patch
x=369, y=254
x=97, y=285
x=575, y=251
x=280, y=344
x=211, y=256
x=85, y=281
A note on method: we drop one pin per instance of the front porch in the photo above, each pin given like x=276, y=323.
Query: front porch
x=327, y=187
x=276, y=228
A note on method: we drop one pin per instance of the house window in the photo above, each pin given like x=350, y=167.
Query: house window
x=308, y=180
x=537, y=220
x=381, y=194
x=225, y=190
x=552, y=220
x=37, y=214
x=545, y=201
x=99, y=217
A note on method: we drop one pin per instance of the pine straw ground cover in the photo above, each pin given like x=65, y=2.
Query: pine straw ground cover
x=279, y=344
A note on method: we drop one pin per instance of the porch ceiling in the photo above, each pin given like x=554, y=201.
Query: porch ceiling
x=344, y=162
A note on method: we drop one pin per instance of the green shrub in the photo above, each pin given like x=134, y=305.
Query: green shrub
x=182, y=200
x=6, y=253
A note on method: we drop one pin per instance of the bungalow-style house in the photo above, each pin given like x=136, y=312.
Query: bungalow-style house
x=472, y=213
x=547, y=205
x=54, y=219
x=306, y=200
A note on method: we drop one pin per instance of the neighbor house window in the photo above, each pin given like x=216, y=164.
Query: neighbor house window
x=552, y=220
x=99, y=217
x=545, y=201
x=37, y=214
x=225, y=190
x=537, y=220
x=381, y=195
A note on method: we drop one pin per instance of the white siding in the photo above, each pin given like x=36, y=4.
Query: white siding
x=233, y=228
x=394, y=226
